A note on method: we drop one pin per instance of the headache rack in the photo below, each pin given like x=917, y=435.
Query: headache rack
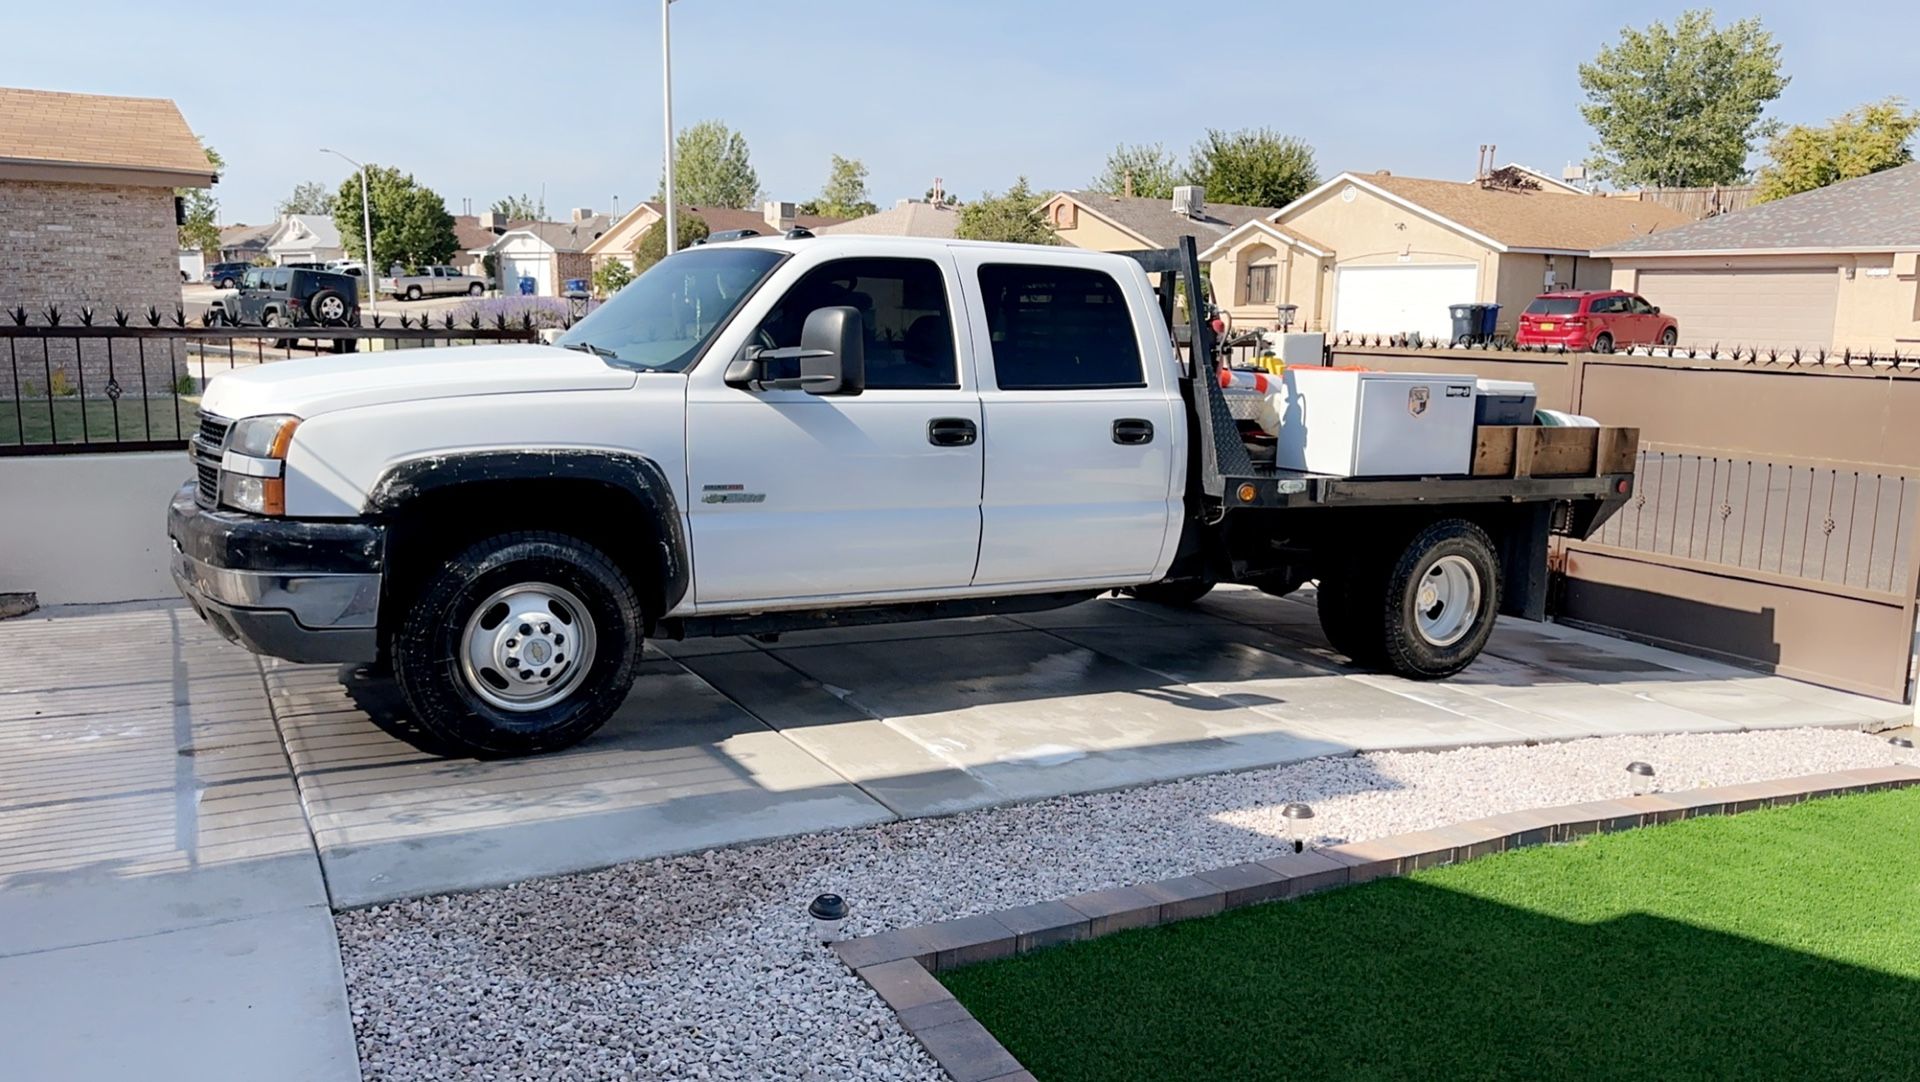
x=1590, y=470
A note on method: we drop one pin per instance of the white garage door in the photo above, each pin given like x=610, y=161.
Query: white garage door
x=1396, y=300
x=537, y=267
x=1763, y=309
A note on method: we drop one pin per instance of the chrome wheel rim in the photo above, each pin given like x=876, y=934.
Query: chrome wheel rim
x=1447, y=600
x=527, y=647
x=332, y=308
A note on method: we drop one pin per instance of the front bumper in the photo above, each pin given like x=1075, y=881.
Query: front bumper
x=303, y=591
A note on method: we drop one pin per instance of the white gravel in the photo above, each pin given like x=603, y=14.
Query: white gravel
x=700, y=966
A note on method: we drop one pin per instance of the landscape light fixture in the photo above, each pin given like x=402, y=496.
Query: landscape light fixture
x=828, y=913
x=1642, y=777
x=1900, y=742
x=1293, y=813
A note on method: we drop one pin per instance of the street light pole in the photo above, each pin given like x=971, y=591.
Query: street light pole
x=672, y=221
x=366, y=223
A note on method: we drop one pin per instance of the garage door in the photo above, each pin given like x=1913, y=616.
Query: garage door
x=1396, y=300
x=537, y=267
x=1765, y=309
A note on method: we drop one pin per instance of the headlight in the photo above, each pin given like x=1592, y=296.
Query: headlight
x=253, y=468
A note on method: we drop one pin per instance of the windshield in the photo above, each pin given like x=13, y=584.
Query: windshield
x=663, y=319
x=1553, y=306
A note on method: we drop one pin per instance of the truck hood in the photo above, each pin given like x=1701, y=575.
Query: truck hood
x=318, y=385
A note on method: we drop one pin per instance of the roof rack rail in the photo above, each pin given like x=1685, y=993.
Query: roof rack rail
x=799, y=232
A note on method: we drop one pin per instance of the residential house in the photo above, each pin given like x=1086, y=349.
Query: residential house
x=304, y=238
x=245, y=243
x=1834, y=268
x=1375, y=253
x=907, y=218
x=87, y=209
x=549, y=253
x=772, y=219
x=1124, y=223
x=475, y=234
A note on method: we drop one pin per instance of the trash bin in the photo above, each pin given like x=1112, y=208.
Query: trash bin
x=1473, y=323
x=527, y=286
x=576, y=285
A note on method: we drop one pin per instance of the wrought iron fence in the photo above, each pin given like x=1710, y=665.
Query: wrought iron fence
x=133, y=383
x=1826, y=523
x=1745, y=355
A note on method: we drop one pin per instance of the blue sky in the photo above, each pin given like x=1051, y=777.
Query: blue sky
x=481, y=99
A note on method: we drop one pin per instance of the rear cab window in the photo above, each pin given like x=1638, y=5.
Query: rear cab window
x=1055, y=328
x=1553, y=306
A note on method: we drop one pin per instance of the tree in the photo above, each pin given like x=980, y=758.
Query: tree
x=651, y=248
x=411, y=225
x=611, y=276
x=1013, y=216
x=1146, y=170
x=711, y=168
x=1255, y=167
x=199, y=233
x=1866, y=140
x=1681, y=107
x=520, y=208
x=845, y=193
x=309, y=197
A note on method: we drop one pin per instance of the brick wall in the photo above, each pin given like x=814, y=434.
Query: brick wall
x=87, y=245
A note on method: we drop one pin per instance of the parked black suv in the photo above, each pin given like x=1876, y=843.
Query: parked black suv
x=227, y=275
x=292, y=297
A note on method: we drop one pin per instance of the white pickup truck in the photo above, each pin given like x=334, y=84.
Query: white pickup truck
x=781, y=433
x=433, y=282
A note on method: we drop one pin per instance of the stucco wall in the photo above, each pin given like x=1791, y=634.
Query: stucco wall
x=99, y=245
x=88, y=528
x=1092, y=233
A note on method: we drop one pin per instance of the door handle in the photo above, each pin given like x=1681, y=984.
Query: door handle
x=1132, y=431
x=952, y=432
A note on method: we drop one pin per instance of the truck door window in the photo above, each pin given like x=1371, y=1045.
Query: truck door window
x=903, y=309
x=1059, y=328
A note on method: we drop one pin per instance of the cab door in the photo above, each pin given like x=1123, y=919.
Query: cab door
x=797, y=497
x=1086, y=443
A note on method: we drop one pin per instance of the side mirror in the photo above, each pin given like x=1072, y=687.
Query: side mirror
x=1656, y=309
x=832, y=355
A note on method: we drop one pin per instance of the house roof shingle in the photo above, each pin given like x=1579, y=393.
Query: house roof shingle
x=1877, y=211
x=48, y=127
x=721, y=219
x=247, y=236
x=565, y=236
x=1531, y=219
x=1155, y=219
x=911, y=219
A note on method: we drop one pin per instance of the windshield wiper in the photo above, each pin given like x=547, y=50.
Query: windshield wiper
x=589, y=347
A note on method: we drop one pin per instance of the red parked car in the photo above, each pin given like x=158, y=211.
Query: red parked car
x=1595, y=320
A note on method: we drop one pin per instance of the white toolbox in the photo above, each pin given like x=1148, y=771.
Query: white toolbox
x=1374, y=424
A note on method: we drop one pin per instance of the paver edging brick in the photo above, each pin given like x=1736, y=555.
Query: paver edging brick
x=900, y=964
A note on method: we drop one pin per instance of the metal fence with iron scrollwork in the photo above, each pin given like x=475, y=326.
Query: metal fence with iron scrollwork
x=73, y=382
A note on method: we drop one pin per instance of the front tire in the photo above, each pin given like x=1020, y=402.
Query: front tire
x=1603, y=343
x=475, y=289
x=1670, y=337
x=523, y=643
x=413, y=293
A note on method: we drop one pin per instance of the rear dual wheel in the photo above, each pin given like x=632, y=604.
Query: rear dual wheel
x=1423, y=608
x=523, y=643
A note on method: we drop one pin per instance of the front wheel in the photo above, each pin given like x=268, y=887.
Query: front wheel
x=1670, y=337
x=523, y=643
x=475, y=289
x=1604, y=343
x=413, y=293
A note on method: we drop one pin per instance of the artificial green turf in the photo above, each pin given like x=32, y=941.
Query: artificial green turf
x=1774, y=944
x=36, y=421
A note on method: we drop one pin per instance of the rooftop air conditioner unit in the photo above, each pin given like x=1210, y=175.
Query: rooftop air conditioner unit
x=1190, y=200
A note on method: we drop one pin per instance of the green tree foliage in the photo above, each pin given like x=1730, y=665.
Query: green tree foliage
x=1681, y=107
x=610, y=276
x=712, y=168
x=652, y=246
x=1255, y=167
x=1866, y=140
x=845, y=193
x=309, y=197
x=198, y=232
x=411, y=225
x=520, y=208
x=1013, y=215
x=1146, y=170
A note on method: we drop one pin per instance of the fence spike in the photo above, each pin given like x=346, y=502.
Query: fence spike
x=473, y=320
x=526, y=320
x=86, y=315
x=179, y=316
x=120, y=317
x=153, y=316
x=53, y=316
x=447, y=320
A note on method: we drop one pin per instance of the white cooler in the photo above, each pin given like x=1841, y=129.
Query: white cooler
x=1374, y=424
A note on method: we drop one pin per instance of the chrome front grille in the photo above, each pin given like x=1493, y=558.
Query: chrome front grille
x=206, y=448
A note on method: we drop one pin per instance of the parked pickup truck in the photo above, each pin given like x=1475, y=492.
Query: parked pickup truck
x=433, y=282
x=783, y=433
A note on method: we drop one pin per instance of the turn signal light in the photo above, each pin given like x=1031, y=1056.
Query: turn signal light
x=1247, y=493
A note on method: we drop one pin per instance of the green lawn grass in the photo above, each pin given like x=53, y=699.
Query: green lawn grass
x=1772, y=945
x=60, y=421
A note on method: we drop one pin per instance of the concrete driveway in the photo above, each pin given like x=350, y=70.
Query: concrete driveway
x=178, y=817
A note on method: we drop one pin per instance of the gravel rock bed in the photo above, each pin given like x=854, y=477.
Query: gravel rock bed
x=700, y=966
